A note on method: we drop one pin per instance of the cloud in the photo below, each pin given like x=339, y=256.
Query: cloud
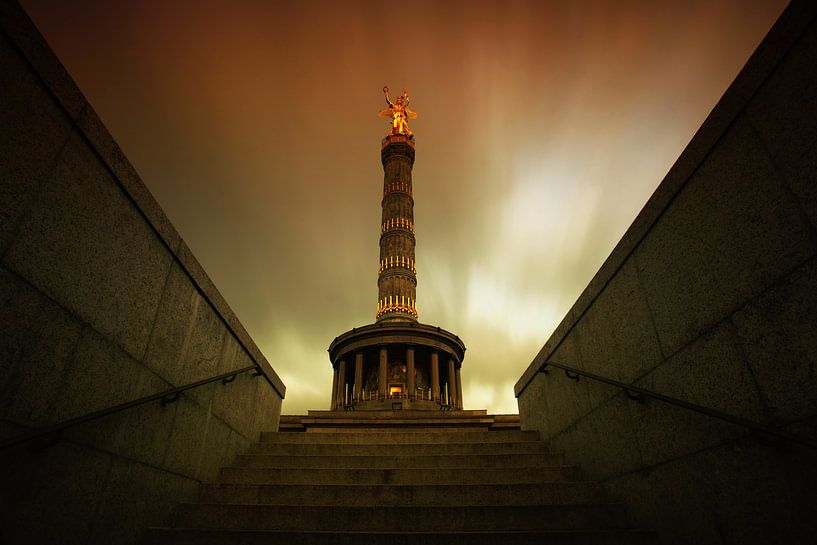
x=543, y=128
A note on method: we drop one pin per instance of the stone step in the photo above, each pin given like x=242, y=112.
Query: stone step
x=399, y=462
x=503, y=426
x=390, y=415
x=506, y=422
x=290, y=427
x=562, y=493
x=357, y=423
x=185, y=536
x=385, y=449
x=324, y=427
x=376, y=477
x=397, y=437
x=430, y=476
x=405, y=421
x=395, y=519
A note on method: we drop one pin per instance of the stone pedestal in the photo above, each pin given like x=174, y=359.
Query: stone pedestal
x=399, y=366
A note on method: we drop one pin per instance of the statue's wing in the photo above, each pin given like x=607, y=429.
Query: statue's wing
x=411, y=114
x=385, y=112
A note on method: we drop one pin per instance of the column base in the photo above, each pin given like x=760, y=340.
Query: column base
x=396, y=404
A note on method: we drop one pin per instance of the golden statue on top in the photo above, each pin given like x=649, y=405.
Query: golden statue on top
x=399, y=112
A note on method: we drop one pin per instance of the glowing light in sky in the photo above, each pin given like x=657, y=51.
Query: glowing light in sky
x=543, y=129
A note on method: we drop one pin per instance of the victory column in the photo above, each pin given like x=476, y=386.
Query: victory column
x=397, y=362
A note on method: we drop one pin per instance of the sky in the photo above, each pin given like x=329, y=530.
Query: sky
x=542, y=130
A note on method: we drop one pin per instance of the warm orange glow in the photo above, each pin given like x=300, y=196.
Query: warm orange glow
x=397, y=223
x=398, y=261
x=405, y=304
x=399, y=112
x=398, y=186
x=546, y=127
x=395, y=390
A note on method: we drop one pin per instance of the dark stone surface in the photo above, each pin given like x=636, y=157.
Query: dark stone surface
x=792, y=24
x=804, y=185
x=729, y=234
x=778, y=334
x=783, y=110
x=102, y=303
x=89, y=249
x=710, y=372
x=36, y=351
x=137, y=496
x=109, y=151
x=30, y=140
x=41, y=60
x=616, y=336
x=680, y=503
x=50, y=493
x=724, y=254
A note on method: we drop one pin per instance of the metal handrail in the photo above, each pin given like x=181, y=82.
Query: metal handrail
x=166, y=397
x=638, y=394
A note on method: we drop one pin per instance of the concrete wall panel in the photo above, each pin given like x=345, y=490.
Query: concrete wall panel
x=174, y=321
x=102, y=303
x=135, y=496
x=708, y=298
x=710, y=372
x=615, y=335
x=804, y=185
x=36, y=347
x=732, y=231
x=31, y=142
x=778, y=334
x=96, y=361
x=680, y=503
x=103, y=143
x=534, y=404
x=24, y=38
x=608, y=437
x=60, y=485
x=88, y=248
x=783, y=110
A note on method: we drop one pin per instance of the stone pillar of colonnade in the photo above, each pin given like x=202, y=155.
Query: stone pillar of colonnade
x=341, y=391
x=333, y=403
x=410, y=389
x=358, y=375
x=459, y=388
x=452, y=383
x=384, y=366
x=435, y=376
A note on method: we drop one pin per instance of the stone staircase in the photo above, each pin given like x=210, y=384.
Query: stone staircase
x=460, y=477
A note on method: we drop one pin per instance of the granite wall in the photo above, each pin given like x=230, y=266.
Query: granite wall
x=710, y=297
x=101, y=302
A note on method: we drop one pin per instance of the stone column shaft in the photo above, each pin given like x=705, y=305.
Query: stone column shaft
x=410, y=372
x=397, y=279
x=341, y=382
x=452, y=383
x=459, y=388
x=334, y=402
x=435, y=376
x=384, y=364
x=358, y=375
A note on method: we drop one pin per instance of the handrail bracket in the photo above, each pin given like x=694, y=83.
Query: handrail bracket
x=172, y=398
x=635, y=396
